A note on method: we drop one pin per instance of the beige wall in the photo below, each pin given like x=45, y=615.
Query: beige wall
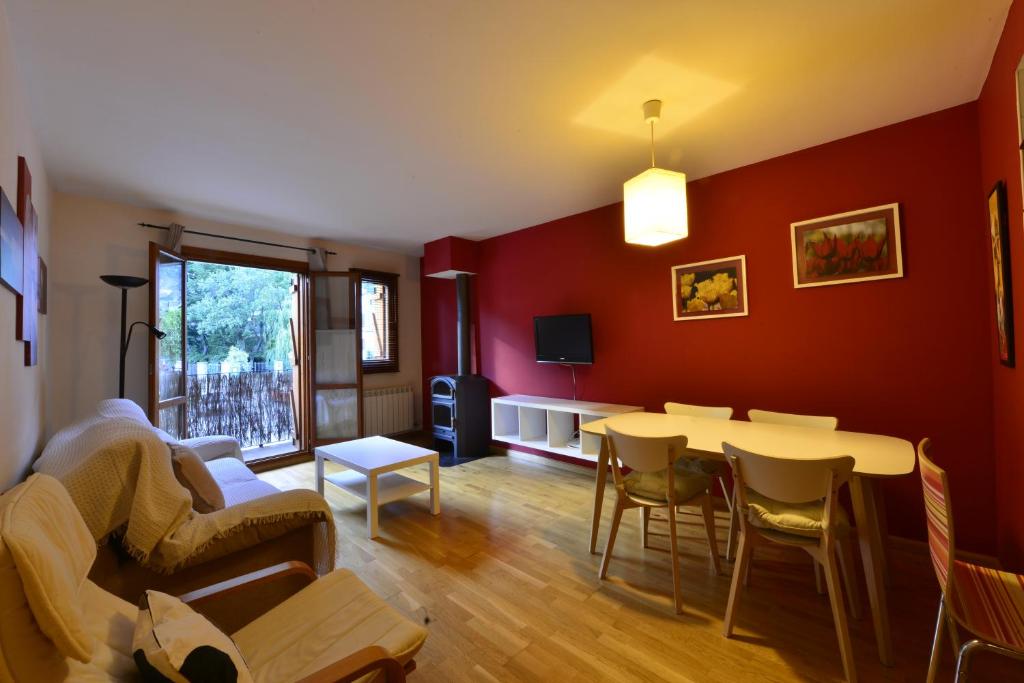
x=92, y=237
x=22, y=408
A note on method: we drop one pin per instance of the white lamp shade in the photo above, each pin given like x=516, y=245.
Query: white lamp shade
x=655, y=207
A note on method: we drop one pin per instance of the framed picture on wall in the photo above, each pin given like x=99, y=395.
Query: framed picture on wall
x=41, y=301
x=999, y=232
x=710, y=289
x=12, y=247
x=856, y=246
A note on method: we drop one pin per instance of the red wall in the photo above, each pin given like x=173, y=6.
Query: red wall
x=1000, y=160
x=908, y=357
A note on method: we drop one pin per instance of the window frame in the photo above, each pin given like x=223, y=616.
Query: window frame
x=389, y=280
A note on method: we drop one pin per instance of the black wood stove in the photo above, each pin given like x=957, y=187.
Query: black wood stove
x=460, y=403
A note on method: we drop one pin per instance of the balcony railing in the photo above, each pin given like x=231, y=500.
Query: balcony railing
x=254, y=407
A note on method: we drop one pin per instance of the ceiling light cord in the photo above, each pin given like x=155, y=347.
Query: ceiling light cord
x=652, y=144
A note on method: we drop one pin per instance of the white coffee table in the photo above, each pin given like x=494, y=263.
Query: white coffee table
x=371, y=475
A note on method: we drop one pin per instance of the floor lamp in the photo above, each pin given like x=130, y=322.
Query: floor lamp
x=124, y=283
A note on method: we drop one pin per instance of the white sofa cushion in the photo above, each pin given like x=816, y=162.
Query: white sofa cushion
x=193, y=474
x=237, y=482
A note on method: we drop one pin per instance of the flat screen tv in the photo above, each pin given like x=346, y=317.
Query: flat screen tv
x=563, y=339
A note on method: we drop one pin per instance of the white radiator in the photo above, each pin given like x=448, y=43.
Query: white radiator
x=388, y=410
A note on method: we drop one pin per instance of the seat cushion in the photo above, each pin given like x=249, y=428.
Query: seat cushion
x=331, y=618
x=990, y=603
x=237, y=482
x=53, y=551
x=654, y=485
x=801, y=519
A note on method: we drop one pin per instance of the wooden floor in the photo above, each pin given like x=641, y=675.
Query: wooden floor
x=509, y=592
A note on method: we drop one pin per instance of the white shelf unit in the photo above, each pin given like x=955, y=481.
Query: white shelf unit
x=548, y=424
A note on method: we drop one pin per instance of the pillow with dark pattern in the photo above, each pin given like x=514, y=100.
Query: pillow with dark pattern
x=173, y=642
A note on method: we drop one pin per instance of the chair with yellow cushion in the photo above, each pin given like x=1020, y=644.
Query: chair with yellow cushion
x=659, y=478
x=987, y=602
x=792, y=420
x=714, y=468
x=794, y=503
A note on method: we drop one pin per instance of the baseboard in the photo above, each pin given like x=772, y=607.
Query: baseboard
x=917, y=546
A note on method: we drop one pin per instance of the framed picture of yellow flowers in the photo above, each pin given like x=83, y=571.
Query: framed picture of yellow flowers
x=710, y=289
x=848, y=247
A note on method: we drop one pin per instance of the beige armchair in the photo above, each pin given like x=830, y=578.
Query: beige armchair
x=58, y=625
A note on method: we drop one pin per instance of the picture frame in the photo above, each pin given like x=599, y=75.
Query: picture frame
x=999, y=233
x=710, y=289
x=41, y=302
x=855, y=246
x=12, y=247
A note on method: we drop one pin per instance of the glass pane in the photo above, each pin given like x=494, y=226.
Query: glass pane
x=169, y=300
x=374, y=302
x=337, y=414
x=335, y=330
x=172, y=419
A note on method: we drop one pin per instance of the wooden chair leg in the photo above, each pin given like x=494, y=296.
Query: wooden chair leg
x=725, y=493
x=746, y=567
x=707, y=507
x=616, y=518
x=645, y=522
x=849, y=570
x=835, y=597
x=674, y=552
x=734, y=529
x=742, y=560
x=940, y=626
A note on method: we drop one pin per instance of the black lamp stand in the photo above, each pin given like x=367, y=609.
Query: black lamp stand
x=124, y=283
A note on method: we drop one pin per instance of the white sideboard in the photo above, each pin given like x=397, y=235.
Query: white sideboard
x=549, y=424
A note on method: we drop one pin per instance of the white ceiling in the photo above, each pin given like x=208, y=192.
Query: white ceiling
x=394, y=123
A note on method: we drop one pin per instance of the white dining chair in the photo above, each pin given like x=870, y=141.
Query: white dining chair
x=659, y=479
x=714, y=468
x=795, y=503
x=793, y=420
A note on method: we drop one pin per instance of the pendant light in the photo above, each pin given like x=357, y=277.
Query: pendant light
x=655, y=201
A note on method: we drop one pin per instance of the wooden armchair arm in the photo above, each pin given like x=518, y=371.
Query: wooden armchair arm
x=233, y=603
x=358, y=664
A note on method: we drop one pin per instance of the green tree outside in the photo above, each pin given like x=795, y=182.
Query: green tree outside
x=233, y=310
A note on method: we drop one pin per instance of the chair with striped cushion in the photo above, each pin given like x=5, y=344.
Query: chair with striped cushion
x=987, y=602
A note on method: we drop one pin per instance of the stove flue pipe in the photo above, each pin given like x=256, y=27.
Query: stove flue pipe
x=462, y=307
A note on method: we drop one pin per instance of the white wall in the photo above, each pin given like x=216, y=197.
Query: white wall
x=22, y=408
x=93, y=237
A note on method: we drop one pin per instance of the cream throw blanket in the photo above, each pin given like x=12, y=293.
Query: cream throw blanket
x=119, y=474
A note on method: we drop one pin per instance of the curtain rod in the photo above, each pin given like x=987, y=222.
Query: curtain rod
x=237, y=239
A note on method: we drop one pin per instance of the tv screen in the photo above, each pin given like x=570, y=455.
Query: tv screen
x=563, y=339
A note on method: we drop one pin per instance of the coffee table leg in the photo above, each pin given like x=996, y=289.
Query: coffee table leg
x=435, y=487
x=371, y=506
x=319, y=474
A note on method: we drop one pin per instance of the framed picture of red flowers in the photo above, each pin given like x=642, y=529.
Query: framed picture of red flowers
x=710, y=289
x=856, y=246
x=998, y=228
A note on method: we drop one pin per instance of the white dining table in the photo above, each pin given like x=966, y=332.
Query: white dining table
x=876, y=457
